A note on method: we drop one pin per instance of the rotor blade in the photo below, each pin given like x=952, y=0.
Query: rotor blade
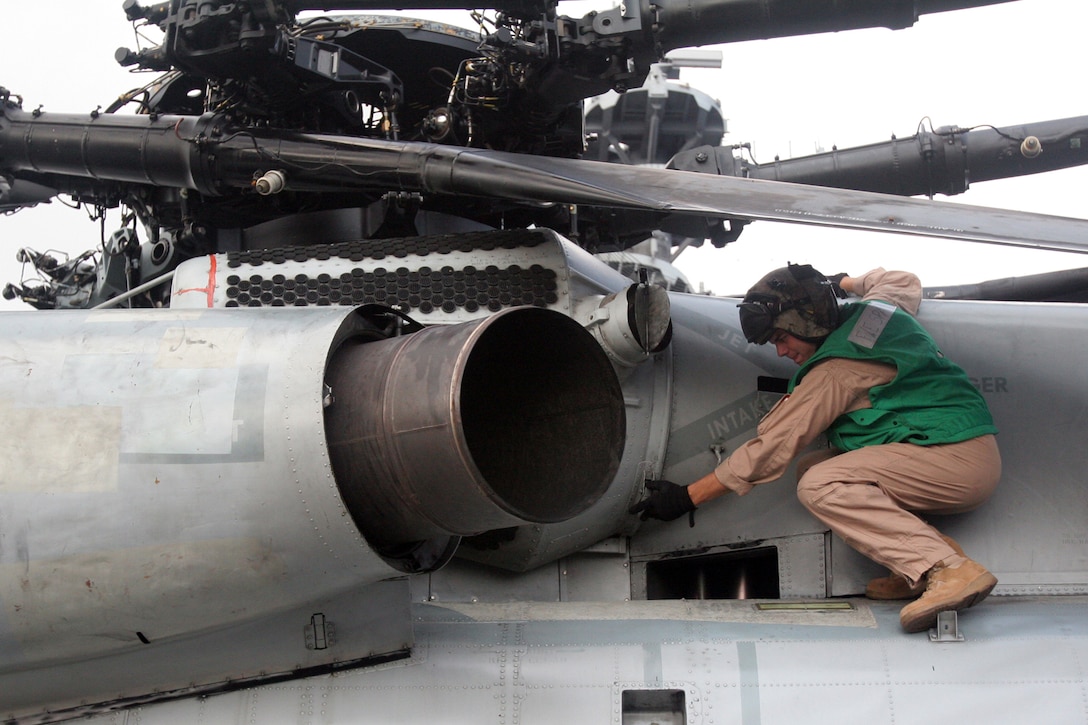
x=589, y=182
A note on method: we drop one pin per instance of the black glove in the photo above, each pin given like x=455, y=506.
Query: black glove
x=667, y=501
x=836, y=281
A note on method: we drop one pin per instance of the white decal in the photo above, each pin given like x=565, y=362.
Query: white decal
x=871, y=322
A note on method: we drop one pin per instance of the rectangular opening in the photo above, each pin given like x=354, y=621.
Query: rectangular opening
x=748, y=574
x=660, y=707
x=767, y=384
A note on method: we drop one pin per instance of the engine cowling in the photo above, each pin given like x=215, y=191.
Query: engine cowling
x=168, y=472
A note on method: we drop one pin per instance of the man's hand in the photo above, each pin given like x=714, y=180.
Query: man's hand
x=840, y=289
x=667, y=501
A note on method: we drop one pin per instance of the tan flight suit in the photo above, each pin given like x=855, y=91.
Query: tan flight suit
x=866, y=496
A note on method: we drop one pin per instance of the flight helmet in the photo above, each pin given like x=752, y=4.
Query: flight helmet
x=795, y=298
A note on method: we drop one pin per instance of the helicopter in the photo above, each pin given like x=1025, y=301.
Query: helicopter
x=405, y=495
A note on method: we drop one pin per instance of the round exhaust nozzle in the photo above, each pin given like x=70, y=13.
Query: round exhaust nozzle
x=459, y=429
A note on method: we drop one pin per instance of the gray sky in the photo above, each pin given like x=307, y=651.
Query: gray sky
x=1002, y=65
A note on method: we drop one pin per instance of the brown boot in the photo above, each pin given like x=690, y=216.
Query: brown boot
x=896, y=586
x=947, y=587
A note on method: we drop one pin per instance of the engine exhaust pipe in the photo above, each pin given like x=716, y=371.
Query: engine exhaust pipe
x=455, y=430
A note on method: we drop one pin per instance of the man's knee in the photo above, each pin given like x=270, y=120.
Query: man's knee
x=811, y=487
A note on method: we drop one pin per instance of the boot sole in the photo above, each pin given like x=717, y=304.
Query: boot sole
x=925, y=618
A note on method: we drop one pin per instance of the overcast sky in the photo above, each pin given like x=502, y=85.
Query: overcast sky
x=1001, y=65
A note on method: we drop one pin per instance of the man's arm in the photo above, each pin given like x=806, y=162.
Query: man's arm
x=830, y=389
x=902, y=289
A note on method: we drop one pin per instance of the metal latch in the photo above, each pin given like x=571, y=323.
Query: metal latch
x=319, y=633
x=948, y=629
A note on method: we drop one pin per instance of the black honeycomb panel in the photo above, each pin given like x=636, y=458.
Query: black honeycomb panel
x=425, y=290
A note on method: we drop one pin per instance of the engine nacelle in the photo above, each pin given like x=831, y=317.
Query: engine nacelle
x=172, y=472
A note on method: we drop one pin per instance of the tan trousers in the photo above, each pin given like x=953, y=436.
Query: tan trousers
x=867, y=496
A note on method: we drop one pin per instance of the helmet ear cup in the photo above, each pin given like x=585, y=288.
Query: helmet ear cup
x=821, y=308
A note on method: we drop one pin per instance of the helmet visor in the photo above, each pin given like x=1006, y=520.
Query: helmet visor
x=757, y=320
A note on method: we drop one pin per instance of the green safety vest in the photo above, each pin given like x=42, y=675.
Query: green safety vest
x=930, y=400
